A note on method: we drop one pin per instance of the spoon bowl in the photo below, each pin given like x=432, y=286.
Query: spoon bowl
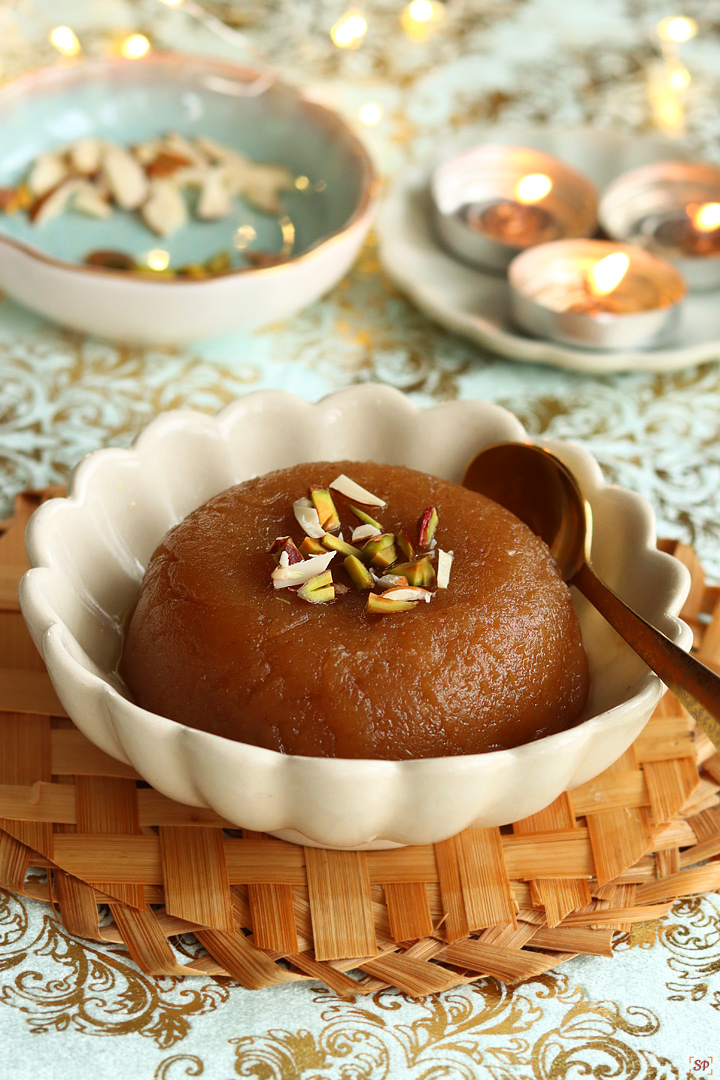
x=540, y=489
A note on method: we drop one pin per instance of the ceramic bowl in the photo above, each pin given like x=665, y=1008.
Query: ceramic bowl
x=89, y=552
x=131, y=101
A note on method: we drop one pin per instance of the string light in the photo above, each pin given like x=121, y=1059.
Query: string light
x=421, y=18
x=302, y=183
x=679, y=77
x=420, y=10
x=171, y=3
x=158, y=259
x=371, y=114
x=349, y=31
x=676, y=28
x=135, y=46
x=65, y=40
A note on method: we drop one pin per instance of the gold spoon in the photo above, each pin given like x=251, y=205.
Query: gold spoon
x=539, y=489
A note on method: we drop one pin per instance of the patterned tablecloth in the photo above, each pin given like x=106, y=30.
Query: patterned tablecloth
x=654, y=1010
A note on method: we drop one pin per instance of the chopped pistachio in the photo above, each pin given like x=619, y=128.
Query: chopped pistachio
x=334, y=543
x=445, y=560
x=284, y=545
x=378, y=604
x=428, y=525
x=418, y=572
x=351, y=490
x=341, y=589
x=323, y=503
x=219, y=263
x=373, y=547
x=286, y=577
x=358, y=574
x=311, y=547
x=282, y=599
x=386, y=557
x=307, y=517
x=192, y=270
x=405, y=544
x=319, y=589
x=365, y=518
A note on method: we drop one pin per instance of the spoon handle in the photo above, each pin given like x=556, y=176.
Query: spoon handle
x=695, y=686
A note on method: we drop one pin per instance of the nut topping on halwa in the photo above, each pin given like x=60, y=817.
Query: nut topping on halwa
x=392, y=586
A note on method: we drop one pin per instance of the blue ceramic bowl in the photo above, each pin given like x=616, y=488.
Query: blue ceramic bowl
x=129, y=101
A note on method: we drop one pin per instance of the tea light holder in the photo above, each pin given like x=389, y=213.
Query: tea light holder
x=671, y=209
x=562, y=292
x=494, y=201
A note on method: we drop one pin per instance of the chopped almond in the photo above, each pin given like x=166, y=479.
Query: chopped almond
x=285, y=577
x=307, y=518
x=445, y=561
x=351, y=490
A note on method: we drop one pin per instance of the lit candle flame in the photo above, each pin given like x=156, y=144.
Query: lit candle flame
x=607, y=274
x=532, y=188
x=705, y=216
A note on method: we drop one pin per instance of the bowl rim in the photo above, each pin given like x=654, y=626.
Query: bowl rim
x=42, y=79
x=647, y=687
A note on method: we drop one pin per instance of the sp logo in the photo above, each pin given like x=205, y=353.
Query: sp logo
x=702, y=1065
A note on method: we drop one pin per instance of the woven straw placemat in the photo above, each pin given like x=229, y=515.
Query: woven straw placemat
x=511, y=902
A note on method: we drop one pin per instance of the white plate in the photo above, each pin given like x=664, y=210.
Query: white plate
x=477, y=304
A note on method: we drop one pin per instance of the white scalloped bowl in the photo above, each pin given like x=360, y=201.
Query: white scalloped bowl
x=89, y=552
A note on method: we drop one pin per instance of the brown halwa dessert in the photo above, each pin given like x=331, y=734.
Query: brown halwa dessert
x=342, y=666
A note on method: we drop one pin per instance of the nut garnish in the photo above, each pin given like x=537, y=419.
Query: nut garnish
x=391, y=581
x=445, y=560
x=428, y=525
x=378, y=604
x=286, y=577
x=351, y=490
x=405, y=544
x=364, y=532
x=358, y=574
x=365, y=518
x=323, y=503
x=373, y=567
x=311, y=547
x=336, y=544
x=285, y=545
x=318, y=589
x=420, y=572
x=373, y=549
x=307, y=518
x=405, y=592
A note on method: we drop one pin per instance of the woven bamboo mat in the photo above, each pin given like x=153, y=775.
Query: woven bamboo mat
x=511, y=902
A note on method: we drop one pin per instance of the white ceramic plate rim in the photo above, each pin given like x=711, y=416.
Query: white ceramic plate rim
x=397, y=258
